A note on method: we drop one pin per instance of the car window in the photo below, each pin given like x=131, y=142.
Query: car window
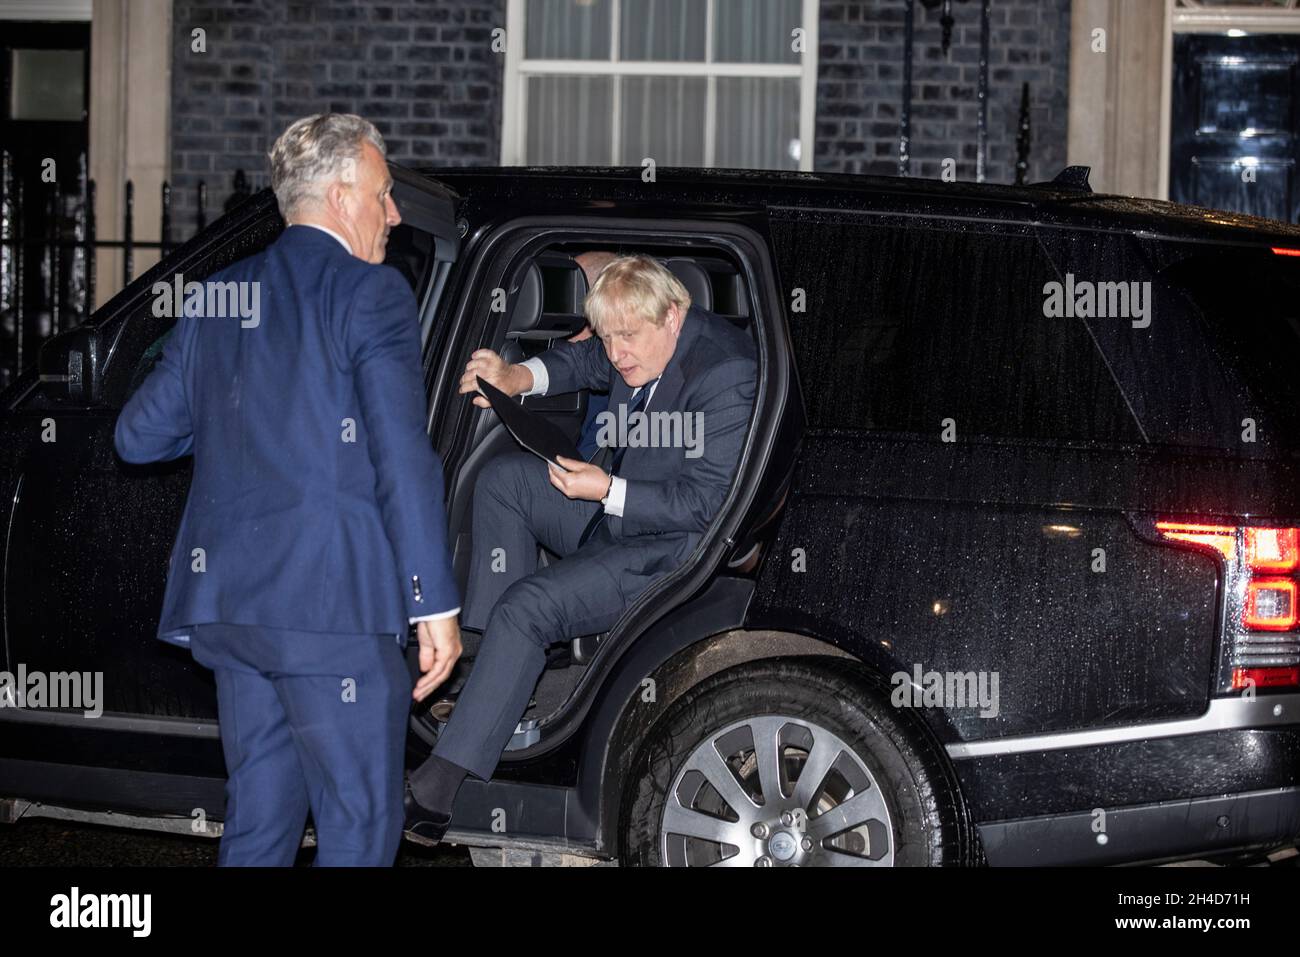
x=1245, y=305
x=1215, y=366
x=139, y=344
x=410, y=251
x=905, y=327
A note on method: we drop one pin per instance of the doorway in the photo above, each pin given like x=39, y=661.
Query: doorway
x=1235, y=123
x=44, y=132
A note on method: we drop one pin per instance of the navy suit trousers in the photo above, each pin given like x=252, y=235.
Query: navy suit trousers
x=309, y=721
x=522, y=608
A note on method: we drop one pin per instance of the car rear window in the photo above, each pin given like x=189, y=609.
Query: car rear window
x=899, y=328
x=1215, y=364
x=1248, y=305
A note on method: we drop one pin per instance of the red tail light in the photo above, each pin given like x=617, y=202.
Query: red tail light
x=1272, y=549
x=1264, y=677
x=1270, y=604
x=1261, y=648
x=1222, y=537
x=1281, y=251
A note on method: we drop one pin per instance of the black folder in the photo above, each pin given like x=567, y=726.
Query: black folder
x=543, y=438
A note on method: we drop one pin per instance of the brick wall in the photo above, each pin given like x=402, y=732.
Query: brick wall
x=860, y=87
x=423, y=72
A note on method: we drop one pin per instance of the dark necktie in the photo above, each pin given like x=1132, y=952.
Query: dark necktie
x=638, y=406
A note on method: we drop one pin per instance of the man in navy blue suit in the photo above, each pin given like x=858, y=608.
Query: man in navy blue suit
x=681, y=384
x=314, y=533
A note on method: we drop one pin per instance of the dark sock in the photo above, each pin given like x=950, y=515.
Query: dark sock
x=435, y=783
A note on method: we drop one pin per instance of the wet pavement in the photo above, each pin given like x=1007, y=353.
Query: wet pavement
x=47, y=843
x=41, y=842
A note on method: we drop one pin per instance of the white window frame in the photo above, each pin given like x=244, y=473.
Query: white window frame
x=518, y=70
x=61, y=10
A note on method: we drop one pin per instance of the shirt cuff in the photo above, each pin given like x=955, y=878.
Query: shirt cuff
x=614, y=500
x=441, y=614
x=541, y=380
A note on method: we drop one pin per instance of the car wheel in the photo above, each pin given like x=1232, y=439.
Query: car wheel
x=785, y=763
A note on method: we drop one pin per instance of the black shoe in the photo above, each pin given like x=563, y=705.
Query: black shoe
x=422, y=825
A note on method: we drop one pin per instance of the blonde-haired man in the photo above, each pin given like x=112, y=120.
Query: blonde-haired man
x=673, y=371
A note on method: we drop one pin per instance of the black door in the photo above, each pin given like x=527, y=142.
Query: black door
x=44, y=79
x=1236, y=124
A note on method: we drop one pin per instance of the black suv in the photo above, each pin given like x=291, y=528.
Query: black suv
x=1008, y=572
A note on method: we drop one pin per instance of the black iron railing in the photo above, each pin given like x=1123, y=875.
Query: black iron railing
x=48, y=275
x=946, y=22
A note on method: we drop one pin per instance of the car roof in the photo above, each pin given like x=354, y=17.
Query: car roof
x=1051, y=203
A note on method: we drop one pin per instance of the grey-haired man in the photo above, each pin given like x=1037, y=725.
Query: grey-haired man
x=316, y=503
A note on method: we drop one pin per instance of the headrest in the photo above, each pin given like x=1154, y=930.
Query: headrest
x=526, y=313
x=694, y=278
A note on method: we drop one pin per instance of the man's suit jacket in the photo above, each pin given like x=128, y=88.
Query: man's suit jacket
x=672, y=498
x=317, y=498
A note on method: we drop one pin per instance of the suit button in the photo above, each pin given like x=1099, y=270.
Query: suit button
x=415, y=588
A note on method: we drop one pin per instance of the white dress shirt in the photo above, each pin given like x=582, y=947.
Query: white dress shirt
x=617, y=495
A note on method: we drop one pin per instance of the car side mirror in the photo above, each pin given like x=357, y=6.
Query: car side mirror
x=70, y=366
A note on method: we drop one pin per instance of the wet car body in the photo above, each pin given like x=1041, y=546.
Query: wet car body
x=943, y=483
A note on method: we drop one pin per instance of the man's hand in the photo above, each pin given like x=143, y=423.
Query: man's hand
x=439, y=649
x=510, y=379
x=582, y=480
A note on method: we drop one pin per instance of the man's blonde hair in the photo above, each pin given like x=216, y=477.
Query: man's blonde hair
x=634, y=287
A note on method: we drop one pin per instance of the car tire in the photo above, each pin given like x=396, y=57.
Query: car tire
x=888, y=779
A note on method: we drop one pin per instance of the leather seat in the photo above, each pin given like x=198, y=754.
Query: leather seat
x=694, y=278
x=525, y=305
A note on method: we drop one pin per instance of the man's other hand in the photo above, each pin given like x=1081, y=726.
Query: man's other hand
x=439, y=650
x=582, y=480
x=510, y=379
